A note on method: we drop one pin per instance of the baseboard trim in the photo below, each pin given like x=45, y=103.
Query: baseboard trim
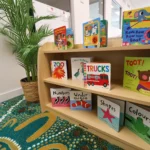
x=10, y=94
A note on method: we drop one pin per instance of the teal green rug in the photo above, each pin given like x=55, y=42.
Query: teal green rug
x=24, y=127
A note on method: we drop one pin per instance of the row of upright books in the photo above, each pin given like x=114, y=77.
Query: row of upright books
x=113, y=112
x=135, y=31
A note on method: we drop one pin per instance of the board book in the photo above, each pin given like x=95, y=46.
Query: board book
x=136, y=27
x=77, y=67
x=137, y=119
x=70, y=38
x=60, y=38
x=59, y=69
x=109, y=112
x=91, y=34
x=104, y=33
x=137, y=74
x=80, y=100
x=97, y=75
x=60, y=97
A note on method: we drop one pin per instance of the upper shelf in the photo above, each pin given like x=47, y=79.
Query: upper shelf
x=117, y=91
x=111, y=49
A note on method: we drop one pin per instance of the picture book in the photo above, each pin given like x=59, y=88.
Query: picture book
x=97, y=75
x=80, y=100
x=109, y=112
x=60, y=38
x=136, y=27
x=137, y=74
x=91, y=34
x=59, y=69
x=137, y=119
x=77, y=67
x=104, y=33
x=60, y=97
x=70, y=38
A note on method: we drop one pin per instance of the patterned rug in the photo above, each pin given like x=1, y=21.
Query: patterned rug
x=24, y=127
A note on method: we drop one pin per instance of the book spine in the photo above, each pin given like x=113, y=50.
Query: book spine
x=85, y=76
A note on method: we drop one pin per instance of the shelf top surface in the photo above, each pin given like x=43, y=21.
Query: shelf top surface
x=117, y=91
x=102, y=49
x=125, y=135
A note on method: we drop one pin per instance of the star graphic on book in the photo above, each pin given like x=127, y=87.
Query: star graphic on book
x=107, y=115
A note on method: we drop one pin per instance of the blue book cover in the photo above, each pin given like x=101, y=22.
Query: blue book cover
x=80, y=100
x=70, y=38
x=91, y=34
x=109, y=112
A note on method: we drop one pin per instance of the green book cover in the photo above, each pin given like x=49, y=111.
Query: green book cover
x=137, y=74
x=137, y=119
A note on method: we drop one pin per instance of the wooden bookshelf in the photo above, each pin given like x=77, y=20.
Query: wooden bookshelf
x=114, y=54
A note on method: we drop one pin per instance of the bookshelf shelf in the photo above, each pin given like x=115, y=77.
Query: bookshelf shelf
x=117, y=91
x=114, y=54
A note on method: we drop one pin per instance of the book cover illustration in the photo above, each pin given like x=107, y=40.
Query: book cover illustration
x=109, y=112
x=80, y=100
x=137, y=119
x=104, y=33
x=59, y=69
x=77, y=67
x=60, y=97
x=70, y=38
x=91, y=34
x=137, y=74
x=97, y=75
x=60, y=38
x=136, y=27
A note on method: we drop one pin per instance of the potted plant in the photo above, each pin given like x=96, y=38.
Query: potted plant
x=18, y=25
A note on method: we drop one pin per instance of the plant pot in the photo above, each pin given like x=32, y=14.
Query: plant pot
x=30, y=90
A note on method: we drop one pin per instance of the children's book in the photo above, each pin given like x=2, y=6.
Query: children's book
x=136, y=27
x=137, y=119
x=59, y=69
x=97, y=75
x=60, y=38
x=104, y=33
x=109, y=112
x=77, y=67
x=60, y=97
x=80, y=100
x=137, y=74
x=91, y=34
x=70, y=38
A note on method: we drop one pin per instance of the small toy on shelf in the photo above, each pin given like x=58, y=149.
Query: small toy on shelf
x=137, y=119
x=104, y=33
x=91, y=34
x=80, y=100
x=77, y=67
x=59, y=69
x=60, y=97
x=97, y=75
x=70, y=38
x=111, y=111
x=136, y=27
x=60, y=38
x=137, y=74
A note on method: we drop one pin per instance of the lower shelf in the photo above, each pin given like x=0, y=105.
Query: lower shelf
x=91, y=121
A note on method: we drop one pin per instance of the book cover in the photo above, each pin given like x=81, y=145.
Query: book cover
x=80, y=100
x=91, y=34
x=60, y=38
x=97, y=75
x=70, y=38
x=109, y=112
x=77, y=67
x=137, y=74
x=104, y=33
x=137, y=119
x=59, y=69
x=60, y=97
x=136, y=27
